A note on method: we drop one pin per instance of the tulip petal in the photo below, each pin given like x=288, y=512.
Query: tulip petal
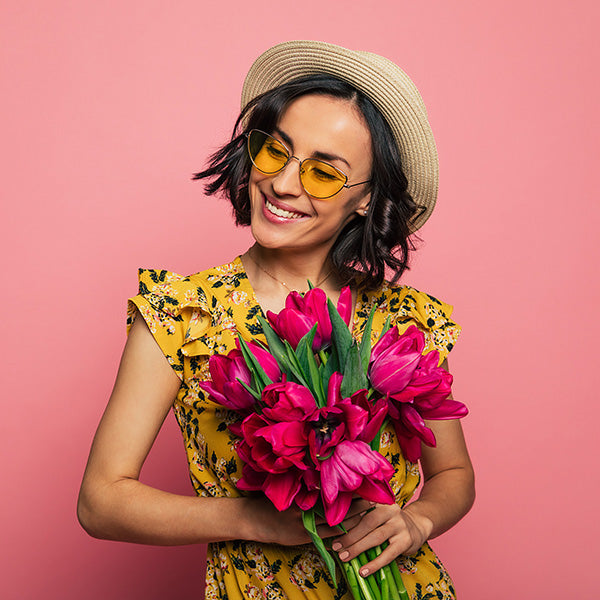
x=413, y=420
x=282, y=488
x=449, y=409
x=335, y=512
x=344, y=304
x=376, y=490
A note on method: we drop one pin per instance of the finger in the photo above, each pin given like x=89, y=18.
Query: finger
x=368, y=522
x=385, y=558
x=371, y=539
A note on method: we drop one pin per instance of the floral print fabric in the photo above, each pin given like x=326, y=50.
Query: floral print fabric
x=196, y=316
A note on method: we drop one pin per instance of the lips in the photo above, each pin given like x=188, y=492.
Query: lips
x=280, y=210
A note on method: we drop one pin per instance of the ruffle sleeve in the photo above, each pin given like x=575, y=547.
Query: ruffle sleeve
x=408, y=306
x=176, y=311
x=432, y=316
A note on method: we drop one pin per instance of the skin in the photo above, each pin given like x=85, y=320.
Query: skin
x=114, y=504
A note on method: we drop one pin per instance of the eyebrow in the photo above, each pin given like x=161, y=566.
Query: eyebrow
x=320, y=155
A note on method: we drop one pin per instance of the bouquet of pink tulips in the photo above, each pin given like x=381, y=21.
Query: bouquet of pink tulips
x=312, y=404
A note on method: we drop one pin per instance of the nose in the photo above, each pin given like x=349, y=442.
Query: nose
x=287, y=181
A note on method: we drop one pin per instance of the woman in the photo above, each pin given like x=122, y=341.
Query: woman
x=333, y=165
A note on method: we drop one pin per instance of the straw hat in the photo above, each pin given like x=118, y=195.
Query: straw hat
x=386, y=85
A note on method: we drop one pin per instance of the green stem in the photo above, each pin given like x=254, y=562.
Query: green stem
x=398, y=581
x=351, y=579
x=372, y=555
x=362, y=582
x=391, y=582
x=371, y=578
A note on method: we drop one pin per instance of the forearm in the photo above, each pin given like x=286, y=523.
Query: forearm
x=128, y=510
x=445, y=498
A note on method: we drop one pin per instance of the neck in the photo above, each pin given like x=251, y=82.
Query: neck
x=291, y=270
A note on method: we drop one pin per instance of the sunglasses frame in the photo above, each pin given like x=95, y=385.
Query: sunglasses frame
x=301, y=162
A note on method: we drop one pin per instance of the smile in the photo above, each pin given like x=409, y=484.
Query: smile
x=280, y=212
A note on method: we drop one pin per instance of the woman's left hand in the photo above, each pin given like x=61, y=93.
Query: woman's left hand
x=405, y=531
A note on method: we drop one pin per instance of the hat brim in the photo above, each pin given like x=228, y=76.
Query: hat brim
x=383, y=82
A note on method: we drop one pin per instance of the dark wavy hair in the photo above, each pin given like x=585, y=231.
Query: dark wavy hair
x=366, y=246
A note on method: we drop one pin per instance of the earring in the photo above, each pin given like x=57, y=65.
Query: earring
x=364, y=212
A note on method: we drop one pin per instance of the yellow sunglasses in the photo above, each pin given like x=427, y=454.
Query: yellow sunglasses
x=319, y=179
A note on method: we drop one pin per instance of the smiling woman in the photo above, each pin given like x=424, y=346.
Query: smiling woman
x=314, y=125
x=332, y=164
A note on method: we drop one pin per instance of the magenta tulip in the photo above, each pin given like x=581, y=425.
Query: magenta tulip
x=339, y=419
x=354, y=468
x=301, y=312
x=394, y=359
x=225, y=372
x=273, y=447
x=287, y=401
x=225, y=388
x=266, y=360
x=376, y=413
x=427, y=379
x=424, y=397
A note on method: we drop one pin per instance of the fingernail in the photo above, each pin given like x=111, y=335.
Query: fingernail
x=364, y=572
x=336, y=546
x=344, y=555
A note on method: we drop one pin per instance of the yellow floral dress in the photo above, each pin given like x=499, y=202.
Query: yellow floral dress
x=192, y=318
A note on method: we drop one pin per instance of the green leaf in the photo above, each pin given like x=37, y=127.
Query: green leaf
x=333, y=365
x=341, y=336
x=255, y=394
x=365, y=343
x=262, y=379
x=386, y=326
x=376, y=441
x=308, y=519
x=315, y=377
x=354, y=376
x=308, y=366
x=303, y=348
x=276, y=347
x=295, y=366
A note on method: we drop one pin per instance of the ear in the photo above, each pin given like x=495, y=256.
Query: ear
x=363, y=207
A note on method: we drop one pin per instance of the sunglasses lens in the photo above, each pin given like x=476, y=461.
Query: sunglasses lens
x=320, y=179
x=269, y=156
x=266, y=153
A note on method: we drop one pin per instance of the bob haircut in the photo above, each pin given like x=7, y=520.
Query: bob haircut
x=366, y=246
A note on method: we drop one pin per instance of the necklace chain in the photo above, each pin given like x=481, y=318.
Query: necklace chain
x=283, y=283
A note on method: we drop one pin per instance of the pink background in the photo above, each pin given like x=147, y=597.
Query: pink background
x=108, y=107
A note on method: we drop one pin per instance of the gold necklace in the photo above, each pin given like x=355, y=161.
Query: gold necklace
x=283, y=283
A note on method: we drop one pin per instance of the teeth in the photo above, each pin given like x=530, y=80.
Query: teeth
x=280, y=212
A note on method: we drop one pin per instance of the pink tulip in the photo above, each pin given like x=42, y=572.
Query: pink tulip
x=427, y=379
x=394, y=359
x=282, y=489
x=225, y=387
x=266, y=360
x=353, y=468
x=339, y=419
x=301, y=312
x=287, y=401
x=425, y=397
x=273, y=447
x=225, y=372
x=377, y=411
x=410, y=425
